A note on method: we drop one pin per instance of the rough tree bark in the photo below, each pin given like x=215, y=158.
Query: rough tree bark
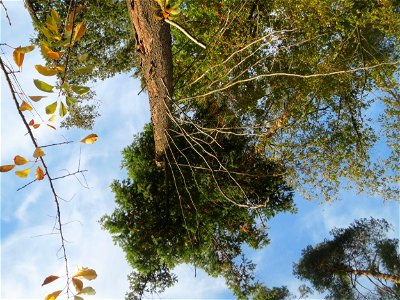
x=154, y=44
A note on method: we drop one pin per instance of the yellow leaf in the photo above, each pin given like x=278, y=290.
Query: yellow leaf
x=55, y=15
x=52, y=118
x=23, y=173
x=60, y=68
x=86, y=273
x=37, y=98
x=78, y=298
x=19, y=160
x=79, y=31
x=25, y=106
x=49, y=279
x=6, y=168
x=51, y=23
x=53, y=295
x=47, y=52
x=38, y=152
x=90, y=139
x=78, y=284
x=39, y=173
x=46, y=71
x=26, y=49
x=18, y=57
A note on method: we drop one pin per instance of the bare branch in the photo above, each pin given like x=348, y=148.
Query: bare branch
x=233, y=83
x=192, y=38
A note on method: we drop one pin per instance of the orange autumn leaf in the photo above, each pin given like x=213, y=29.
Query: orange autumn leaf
x=78, y=284
x=31, y=122
x=18, y=58
x=39, y=173
x=25, y=106
x=79, y=31
x=38, y=152
x=36, y=126
x=49, y=279
x=90, y=139
x=6, y=168
x=23, y=173
x=37, y=98
x=51, y=126
x=19, y=54
x=47, y=52
x=19, y=160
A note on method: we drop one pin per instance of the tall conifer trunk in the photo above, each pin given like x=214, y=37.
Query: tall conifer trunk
x=154, y=44
x=383, y=276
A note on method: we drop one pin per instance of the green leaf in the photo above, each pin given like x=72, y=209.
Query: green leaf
x=50, y=109
x=70, y=101
x=84, y=70
x=63, y=110
x=82, y=57
x=87, y=291
x=65, y=87
x=43, y=86
x=80, y=90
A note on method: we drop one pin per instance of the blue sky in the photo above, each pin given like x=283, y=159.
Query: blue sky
x=29, y=252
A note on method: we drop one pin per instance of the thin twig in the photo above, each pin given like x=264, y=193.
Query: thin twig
x=57, y=144
x=69, y=174
x=6, y=12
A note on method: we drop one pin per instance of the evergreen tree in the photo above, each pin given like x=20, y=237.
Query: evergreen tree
x=360, y=262
x=196, y=213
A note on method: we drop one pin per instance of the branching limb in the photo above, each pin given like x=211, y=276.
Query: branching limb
x=46, y=171
x=183, y=30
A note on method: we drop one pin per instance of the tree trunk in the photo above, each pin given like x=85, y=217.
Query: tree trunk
x=387, y=277
x=154, y=44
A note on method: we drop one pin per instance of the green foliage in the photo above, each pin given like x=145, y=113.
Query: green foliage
x=360, y=262
x=184, y=214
